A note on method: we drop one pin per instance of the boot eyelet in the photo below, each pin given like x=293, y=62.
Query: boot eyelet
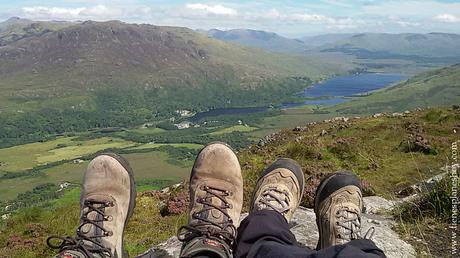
x=108, y=233
x=108, y=218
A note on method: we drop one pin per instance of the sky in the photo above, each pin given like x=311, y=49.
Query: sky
x=288, y=18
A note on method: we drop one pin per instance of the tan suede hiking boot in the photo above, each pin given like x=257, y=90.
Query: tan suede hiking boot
x=338, y=205
x=216, y=199
x=107, y=201
x=279, y=188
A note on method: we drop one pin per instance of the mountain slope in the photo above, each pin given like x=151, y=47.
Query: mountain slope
x=16, y=28
x=407, y=44
x=324, y=39
x=261, y=39
x=440, y=87
x=91, y=55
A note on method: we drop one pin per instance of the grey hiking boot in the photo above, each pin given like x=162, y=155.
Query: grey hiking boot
x=106, y=203
x=216, y=199
x=338, y=206
x=279, y=188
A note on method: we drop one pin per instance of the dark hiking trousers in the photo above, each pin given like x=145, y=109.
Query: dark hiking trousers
x=266, y=234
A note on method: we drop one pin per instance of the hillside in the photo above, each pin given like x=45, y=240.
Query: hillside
x=324, y=39
x=439, y=87
x=388, y=153
x=261, y=39
x=17, y=28
x=406, y=45
x=79, y=59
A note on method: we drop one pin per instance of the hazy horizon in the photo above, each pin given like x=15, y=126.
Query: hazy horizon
x=288, y=18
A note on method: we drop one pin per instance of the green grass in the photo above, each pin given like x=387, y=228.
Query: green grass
x=27, y=156
x=156, y=145
x=145, y=166
x=439, y=87
x=235, y=128
x=152, y=130
x=368, y=146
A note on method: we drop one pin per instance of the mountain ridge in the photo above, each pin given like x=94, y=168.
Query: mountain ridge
x=261, y=39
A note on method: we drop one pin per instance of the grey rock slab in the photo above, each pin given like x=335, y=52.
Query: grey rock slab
x=303, y=226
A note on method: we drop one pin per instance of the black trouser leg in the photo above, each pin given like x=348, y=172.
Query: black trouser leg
x=266, y=234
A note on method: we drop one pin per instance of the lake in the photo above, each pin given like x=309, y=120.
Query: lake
x=333, y=91
x=330, y=92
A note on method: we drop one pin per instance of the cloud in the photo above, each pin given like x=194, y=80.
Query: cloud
x=217, y=9
x=447, y=18
x=408, y=23
x=98, y=12
x=311, y=18
x=411, y=8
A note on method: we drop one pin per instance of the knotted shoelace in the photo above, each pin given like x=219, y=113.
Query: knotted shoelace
x=206, y=227
x=275, y=199
x=350, y=222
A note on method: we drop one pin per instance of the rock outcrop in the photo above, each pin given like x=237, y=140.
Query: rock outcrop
x=304, y=228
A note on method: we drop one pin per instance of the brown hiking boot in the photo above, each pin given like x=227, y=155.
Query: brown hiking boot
x=107, y=201
x=279, y=188
x=338, y=205
x=216, y=199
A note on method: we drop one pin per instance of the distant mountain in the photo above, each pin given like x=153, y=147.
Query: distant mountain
x=80, y=59
x=381, y=45
x=261, y=39
x=324, y=39
x=17, y=28
x=439, y=87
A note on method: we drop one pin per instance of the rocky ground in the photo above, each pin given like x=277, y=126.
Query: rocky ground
x=304, y=228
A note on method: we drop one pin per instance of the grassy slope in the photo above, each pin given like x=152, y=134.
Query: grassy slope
x=27, y=156
x=368, y=146
x=434, y=88
x=62, y=68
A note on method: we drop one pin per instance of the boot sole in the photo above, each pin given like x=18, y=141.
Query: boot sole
x=290, y=165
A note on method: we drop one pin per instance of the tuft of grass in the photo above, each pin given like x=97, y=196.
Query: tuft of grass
x=424, y=223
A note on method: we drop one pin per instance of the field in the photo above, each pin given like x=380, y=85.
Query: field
x=236, y=128
x=156, y=145
x=151, y=165
x=27, y=156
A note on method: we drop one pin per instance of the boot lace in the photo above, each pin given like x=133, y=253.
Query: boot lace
x=349, y=223
x=224, y=230
x=274, y=199
x=88, y=245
